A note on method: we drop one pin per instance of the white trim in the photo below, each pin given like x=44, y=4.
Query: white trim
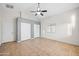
x=61, y=41
x=18, y=41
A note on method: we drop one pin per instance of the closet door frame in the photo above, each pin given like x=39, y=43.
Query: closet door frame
x=25, y=31
x=18, y=27
x=39, y=32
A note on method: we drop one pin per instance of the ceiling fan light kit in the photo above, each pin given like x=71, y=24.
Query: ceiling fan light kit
x=39, y=11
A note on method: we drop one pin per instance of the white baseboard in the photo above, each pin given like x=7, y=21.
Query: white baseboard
x=7, y=41
x=18, y=41
x=62, y=41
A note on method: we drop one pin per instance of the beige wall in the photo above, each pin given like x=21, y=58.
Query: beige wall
x=63, y=32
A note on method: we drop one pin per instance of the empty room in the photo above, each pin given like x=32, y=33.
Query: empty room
x=39, y=29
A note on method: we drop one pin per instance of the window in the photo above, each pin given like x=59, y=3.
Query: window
x=52, y=28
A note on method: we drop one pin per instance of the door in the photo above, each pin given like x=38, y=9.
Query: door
x=36, y=30
x=25, y=31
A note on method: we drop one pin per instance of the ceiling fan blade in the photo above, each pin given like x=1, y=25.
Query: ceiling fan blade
x=41, y=14
x=44, y=11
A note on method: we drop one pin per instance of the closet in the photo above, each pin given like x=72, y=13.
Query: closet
x=27, y=29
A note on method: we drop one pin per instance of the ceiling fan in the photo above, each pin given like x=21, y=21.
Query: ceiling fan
x=39, y=11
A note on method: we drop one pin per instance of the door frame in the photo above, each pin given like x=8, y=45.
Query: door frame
x=23, y=31
x=18, y=27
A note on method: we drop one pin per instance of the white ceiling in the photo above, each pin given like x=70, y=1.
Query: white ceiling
x=52, y=8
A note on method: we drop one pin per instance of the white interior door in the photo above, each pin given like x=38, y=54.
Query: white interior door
x=25, y=31
x=36, y=30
